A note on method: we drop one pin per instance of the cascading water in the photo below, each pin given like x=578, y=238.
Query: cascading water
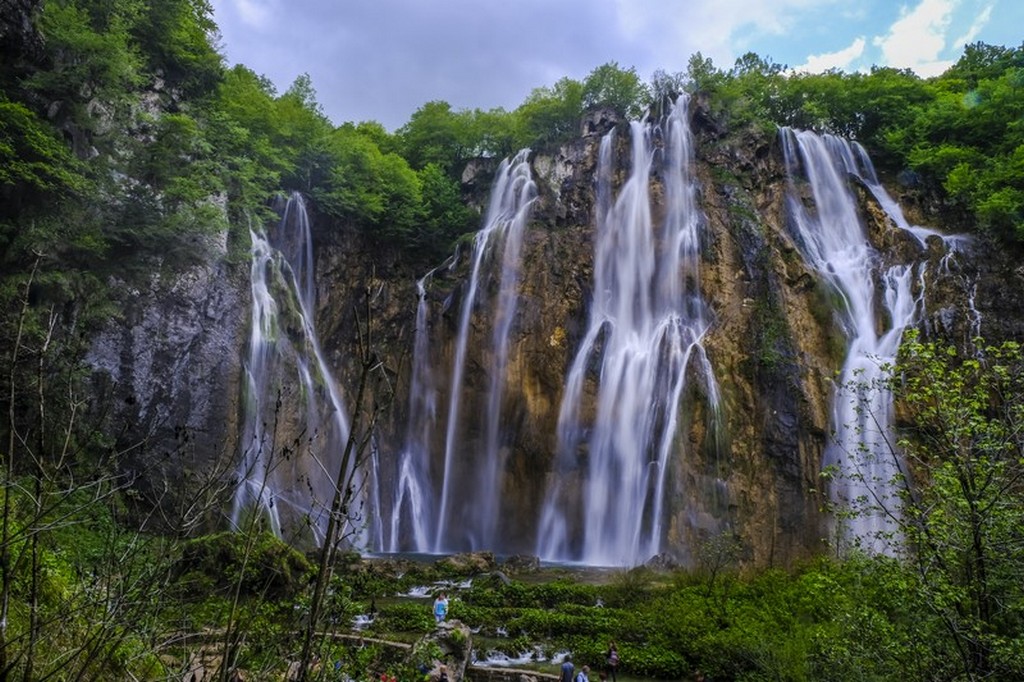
x=412, y=509
x=644, y=334
x=295, y=423
x=834, y=242
x=953, y=244
x=477, y=507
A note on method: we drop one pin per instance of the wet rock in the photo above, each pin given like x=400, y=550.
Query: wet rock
x=470, y=563
x=598, y=122
x=663, y=562
x=453, y=641
x=522, y=563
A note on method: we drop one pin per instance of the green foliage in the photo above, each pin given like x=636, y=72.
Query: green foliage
x=551, y=116
x=96, y=589
x=958, y=525
x=630, y=586
x=407, y=617
x=702, y=75
x=851, y=620
x=621, y=89
x=270, y=568
x=966, y=415
x=562, y=592
x=436, y=134
x=379, y=191
x=92, y=54
x=444, y=216
x=177, y=38
x=770, y=337
x=32, y=157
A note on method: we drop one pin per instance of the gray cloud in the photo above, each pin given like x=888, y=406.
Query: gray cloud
x=381, y=60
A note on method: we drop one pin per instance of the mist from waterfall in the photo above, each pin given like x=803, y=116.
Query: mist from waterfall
x=643, y=341
x=496, y=248
x=295, y=424
x=868, y=469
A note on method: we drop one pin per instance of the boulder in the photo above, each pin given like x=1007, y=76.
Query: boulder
x=522, y=563
x=450, y=645
x=469, y=563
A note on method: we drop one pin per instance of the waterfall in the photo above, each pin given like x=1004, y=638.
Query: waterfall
x=295, y=424
x=646, y=324
x=412, y=506
x=867, y=467
x=953, y=244
x=477, y=506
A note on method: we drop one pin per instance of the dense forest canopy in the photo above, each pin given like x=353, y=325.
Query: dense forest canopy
x=132, y=101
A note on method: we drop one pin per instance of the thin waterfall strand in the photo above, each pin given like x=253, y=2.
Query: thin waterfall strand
x=511, y=198
x=412, y=509
x=293, y=483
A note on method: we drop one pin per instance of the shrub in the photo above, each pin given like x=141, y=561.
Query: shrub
x=272, y=568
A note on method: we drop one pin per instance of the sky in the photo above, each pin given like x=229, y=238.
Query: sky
x=381, y=60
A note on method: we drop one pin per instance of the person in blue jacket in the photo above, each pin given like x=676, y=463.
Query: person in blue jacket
x=440, y=608
x=567, y=670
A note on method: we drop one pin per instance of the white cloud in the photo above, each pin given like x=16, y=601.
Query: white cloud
x=672, y=30
x=381, y=59
x=841, y=59
x=975, y=29
x=918, y=37
x=254, y=13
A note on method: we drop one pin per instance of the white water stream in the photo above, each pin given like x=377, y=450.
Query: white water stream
x=642, y=343
x=295, y=423
x=512, y=197
x=868, y=469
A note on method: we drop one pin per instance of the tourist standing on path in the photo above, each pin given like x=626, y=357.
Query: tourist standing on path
x=583, y=675
x=567, y=670
x=440, y=608
x=613, y=661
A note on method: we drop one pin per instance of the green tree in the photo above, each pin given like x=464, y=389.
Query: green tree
x=962, y=506
x=91, y=58
x=551, y=116
x=445, y=217
x=702, y=75
x=34, y=162
x=376, y=191
x=961, y=132
x=981, y=62
x=609, y=85
x=437, y=134
x=177, y=38
x=498, y=132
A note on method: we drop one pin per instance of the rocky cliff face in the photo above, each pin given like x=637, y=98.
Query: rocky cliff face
x=774, y=342
x=167, y=374
x=18, y=35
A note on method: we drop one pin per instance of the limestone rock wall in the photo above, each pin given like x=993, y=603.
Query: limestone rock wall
x=172, y=364
x=167, y=374
x=773, y=346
